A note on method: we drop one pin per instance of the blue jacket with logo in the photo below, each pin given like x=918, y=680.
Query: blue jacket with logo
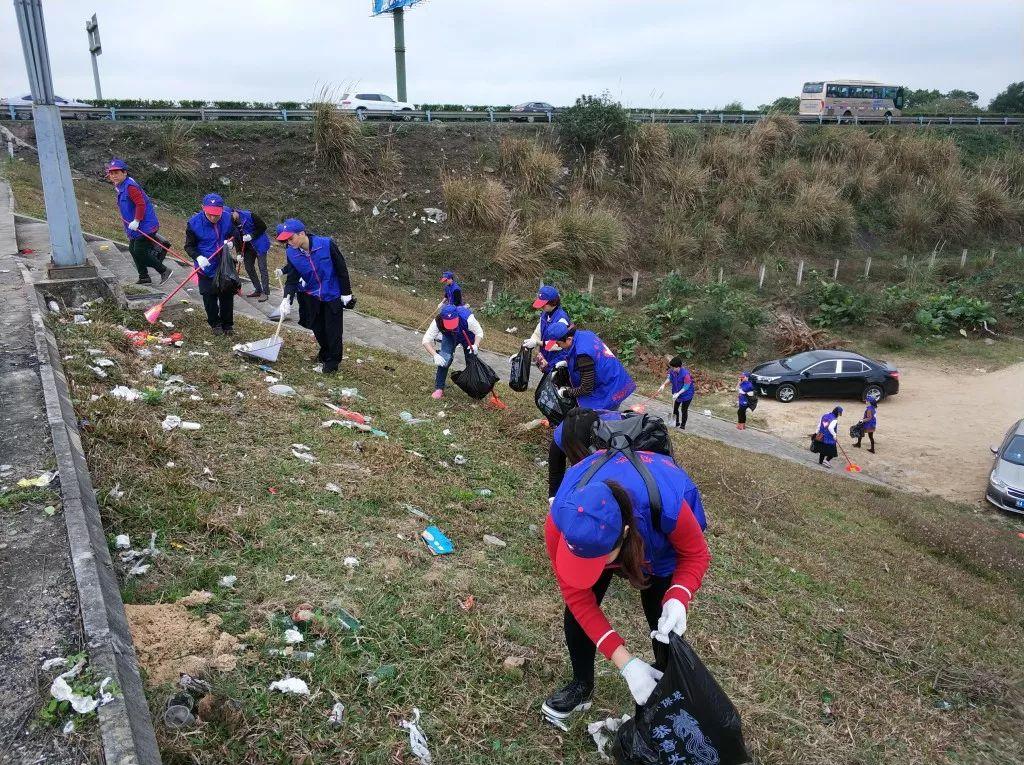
x=678, y=494
x=205, y=238
x=126, y=206
x=462, y=334
x=826, y=434
x=746, y=389
x=612, y=383
x=453, y=294
x=316, y=268
x=870, y=417
x=246, y=225
x=677, y=378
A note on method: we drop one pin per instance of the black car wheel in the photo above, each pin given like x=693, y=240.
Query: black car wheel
x=361, y=113
x=875, y=391
x=786, y=393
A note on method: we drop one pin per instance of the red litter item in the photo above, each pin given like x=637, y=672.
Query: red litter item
x=26, y=251
x=272, y=490
x=136, y=338
x=347, y=414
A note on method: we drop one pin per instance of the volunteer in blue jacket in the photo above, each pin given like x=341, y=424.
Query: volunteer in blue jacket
x=605, y=527
x=597, y=380
x=455, y=326
x=317, y=262
x=744, y=393
x=207, y=235
x=682, y=390
x=452, y=291
x=251, y=240
x=828, y=432
x=869, y=422
x=549, y=303
x=138, y=217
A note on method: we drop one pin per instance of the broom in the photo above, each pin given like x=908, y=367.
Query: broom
x=153, y=313
x=851, y=467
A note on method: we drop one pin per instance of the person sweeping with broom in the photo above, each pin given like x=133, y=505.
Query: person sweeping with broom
x=318, y=266
x=207, y=241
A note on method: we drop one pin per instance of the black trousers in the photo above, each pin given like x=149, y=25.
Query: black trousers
x=146, y=255
x=327, y=320
x=680, y=410
x=582, y=649
x=741, y=415
x=220, y=309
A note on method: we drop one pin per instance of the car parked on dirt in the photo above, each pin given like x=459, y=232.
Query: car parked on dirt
x=825, y=374
x=1006, y=481
x=365, y=103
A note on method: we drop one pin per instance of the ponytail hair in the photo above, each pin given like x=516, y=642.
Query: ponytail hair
x=631, y=556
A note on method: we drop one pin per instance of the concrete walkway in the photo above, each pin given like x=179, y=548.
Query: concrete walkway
x=377, y=333
x=39, y=608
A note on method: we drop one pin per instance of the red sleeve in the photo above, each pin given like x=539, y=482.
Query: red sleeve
x=135, y=194
x=687, y=380
x=582, y=603
x=692, y=557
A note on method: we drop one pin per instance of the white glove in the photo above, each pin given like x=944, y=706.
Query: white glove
x=133, y=226
x=529, y=343
x=563, y=392
x=439, y=360
x=246, y=237
x=285, y=308
x=476, y=348
x=641, y=678
x=346, y=299
x=561, y=364
x=279, y=273
x=673, y=619
x=203, y=261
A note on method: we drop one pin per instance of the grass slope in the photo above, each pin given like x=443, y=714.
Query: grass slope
x=847, y=622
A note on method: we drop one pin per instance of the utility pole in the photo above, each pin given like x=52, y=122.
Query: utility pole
x=399, y=18
x=66, y=242
x=92, y=28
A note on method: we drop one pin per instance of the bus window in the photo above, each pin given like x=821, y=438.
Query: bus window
x=813, y=87
x=899, y=98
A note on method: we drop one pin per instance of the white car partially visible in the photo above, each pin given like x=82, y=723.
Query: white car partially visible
x=26, y=100
x=361, y=103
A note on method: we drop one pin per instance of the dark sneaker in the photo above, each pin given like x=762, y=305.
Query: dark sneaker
x=228, y=330
x=254, y=293
x=144, y=280
x=263, y=298
x=165, y=275
x=575, y=697
x=217, y=330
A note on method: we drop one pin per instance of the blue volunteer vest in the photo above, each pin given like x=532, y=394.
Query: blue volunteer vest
x=612, y=384
x=826, y=435
x=126, y=206
x=449, y=292
x=261, y=243
x=461, y=332
x=678, y=380
x=747, y=388
x=211, y=237
x=871, y=421
x=547, y=321
x=316, y=269
x=678, y=494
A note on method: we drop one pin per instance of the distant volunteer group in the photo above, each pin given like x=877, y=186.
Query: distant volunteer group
x=613, y=511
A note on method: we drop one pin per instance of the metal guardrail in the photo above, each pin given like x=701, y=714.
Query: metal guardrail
x=20, y=111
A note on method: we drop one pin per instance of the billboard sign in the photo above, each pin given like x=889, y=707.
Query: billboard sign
x=387, y=6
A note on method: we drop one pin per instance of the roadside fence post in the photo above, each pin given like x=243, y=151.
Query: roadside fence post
x=963, y=258
x=867, y=267
x=636, y=282
x=835, y=270
x=760, y=278
x=800, y=273
x=931, y=260
x=721, y=274
x=992, y=255
x=620, y=293
x=490, y=289
x=590, y=284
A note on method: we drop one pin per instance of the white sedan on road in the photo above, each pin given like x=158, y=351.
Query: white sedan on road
x=361, y=103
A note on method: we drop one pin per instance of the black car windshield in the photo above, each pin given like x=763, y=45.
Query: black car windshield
x=1014, y=451
x=801, y=360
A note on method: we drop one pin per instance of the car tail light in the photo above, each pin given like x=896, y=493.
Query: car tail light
x=894, y=374
x=346, y=103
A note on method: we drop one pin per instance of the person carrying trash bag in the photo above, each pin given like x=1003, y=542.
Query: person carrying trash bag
x=455, y=326
x=825, y=437
x=452, y=291
x=639, y=516
x=868, y=423
x=597, y=380
x=745, y=399
x=318, y=271
x=140, y=222
x=251, y=240
x=549, y=303
x=208, y=236
x=682, y=390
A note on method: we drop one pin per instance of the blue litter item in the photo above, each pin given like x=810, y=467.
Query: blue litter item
x=436, y=541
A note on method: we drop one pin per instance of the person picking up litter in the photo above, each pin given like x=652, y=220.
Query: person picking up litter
x=745, y=394
x=250, y=236
x=597, y=380
x=603, y=525
x=207, y=235
x=549, y=303
x=452, y=291
x=455, y=326
x=139, y=219
x=826, y=435
x=682, y=390
x=868, y=423
x=317, y=263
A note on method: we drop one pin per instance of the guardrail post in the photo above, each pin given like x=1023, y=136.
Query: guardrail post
x=549, y=117
x=979, y=120
x=284, y=115
x=10, y=108
x=721, y=118
x=113, y=114
x=428, y=115
x=202, y=115
x=743, y=121
x=1006, y=120
x=490, y=115
x=920, y=119
x=699, y=117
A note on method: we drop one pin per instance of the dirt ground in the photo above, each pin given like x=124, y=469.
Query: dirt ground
x=169, y=640
x=932, y=437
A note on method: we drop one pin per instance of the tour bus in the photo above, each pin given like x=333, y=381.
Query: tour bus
x=851, y=98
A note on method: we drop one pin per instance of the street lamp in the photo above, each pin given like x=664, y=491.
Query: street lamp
x=92, y=28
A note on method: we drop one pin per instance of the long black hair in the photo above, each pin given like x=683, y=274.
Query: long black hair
x=631, y=556
x=578, y=433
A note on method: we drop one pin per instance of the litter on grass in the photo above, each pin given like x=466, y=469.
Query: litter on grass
x=282, y=390
x=408, y=419
x=417, y=512
x=417, y=739
x=103, y=362
x=350, y=562
x=40, y=481
x=290, y=578
x=57, y=661
x=292, y=636
x=291, y=685
x=306, y=457
x=337, y=715
x=493, y=540
x=125, y=393
x=122, y=542
x=460, y=460
x=228, y=581
x=436, y=541
x=603, y=733
x=333, y=487
x=98, y=372
x=172, y=421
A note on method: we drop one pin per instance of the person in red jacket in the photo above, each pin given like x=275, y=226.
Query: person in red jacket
x=605, y=527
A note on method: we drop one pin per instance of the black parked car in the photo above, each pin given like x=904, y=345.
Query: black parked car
x=828, y=374
x=533, y=108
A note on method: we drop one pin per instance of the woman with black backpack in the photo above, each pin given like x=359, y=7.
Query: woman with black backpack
x=603, y=521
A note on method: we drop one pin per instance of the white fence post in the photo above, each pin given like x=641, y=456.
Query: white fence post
x=590, y=285
x=800, y=273
x=931, y=260
x=963, y=257
x=992, y=255
x=835, y=270
x=490, y=290
x=620, y=293
x=636, y=281
x=721, y=274
x=867, y=267
x=760, y=278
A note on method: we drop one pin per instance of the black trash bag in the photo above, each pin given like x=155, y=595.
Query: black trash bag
x=225, y=279
x=477, y=379
x=815, y=444
x=519, y=376
x=688, y=719
x=551, y=405
x=857, y=430
x=751, y=403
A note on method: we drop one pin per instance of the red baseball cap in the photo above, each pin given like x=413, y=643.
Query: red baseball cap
x=213, y=204
x=450, y=317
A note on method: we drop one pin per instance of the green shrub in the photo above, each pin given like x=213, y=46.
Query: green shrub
x=582, y=307
x=897, y=302
x=509, y=304
x=839, y=306
x=595, y=122
x=943, y=313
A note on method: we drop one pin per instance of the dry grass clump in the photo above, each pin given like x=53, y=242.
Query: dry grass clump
x=476, y=202
x=528, y=164
x=685, y=182
x=647, y=155
x=913, y=218
x=512, y=253
x=850, y=145
x=337, y=138
x=592, y=169
x=176, y=149
x=773, y=136
x=787, y=177
x=949, y=196
x=673, y=241
x=997, y=210
x=920, y=154
x=684, y=140
x=1008, y=168
x=818, y=212
x=723, y=155
x=587, y=236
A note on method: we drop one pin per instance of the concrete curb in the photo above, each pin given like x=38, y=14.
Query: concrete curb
x=126, y=726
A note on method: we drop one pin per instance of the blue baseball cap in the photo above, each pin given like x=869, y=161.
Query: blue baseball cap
x=213, y=204
x=839, y=409
x=117, y=164
x=447, y=275
x=449, y=317
x=590, y=522
x=554, y=334
x=545, y=295
x=288, y=228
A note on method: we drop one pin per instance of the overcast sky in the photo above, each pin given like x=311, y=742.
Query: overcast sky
x=700, y=53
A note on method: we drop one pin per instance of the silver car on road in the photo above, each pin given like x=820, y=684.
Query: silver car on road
x=1006, y=481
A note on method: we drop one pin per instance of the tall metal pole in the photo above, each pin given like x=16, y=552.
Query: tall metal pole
x=399, y=16
x=92, y=28
x=66, y=242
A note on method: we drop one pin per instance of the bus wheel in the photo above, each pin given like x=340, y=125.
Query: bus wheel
x=888, y=115
x=847, y=113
